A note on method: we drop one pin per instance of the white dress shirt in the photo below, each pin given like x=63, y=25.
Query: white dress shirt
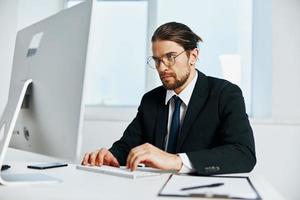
x=185, y=96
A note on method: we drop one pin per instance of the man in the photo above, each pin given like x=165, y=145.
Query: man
x=193, y=123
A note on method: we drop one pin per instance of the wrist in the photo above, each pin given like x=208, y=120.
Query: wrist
x=177, y=163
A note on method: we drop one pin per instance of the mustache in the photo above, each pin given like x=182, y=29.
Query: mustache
x=165, y=73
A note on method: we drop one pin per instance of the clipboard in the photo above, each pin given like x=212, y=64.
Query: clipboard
x=233, y=187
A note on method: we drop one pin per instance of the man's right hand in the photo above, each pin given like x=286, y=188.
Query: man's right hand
x=99, y=158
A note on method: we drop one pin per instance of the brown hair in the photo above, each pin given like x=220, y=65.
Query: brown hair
x=179, y=33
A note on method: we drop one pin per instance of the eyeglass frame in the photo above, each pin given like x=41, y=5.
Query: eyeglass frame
x=162, y=61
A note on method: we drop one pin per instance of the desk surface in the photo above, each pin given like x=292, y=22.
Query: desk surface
x=78, y=184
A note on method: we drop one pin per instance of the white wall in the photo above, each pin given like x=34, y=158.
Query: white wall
x=8, y=26
x=32, y=11
x=98, y=134
x=286, y=59
x=278, y=156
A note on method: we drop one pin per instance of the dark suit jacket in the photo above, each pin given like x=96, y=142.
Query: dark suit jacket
x=215, y=134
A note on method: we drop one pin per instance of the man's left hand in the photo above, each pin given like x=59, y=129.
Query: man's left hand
x=154, y=157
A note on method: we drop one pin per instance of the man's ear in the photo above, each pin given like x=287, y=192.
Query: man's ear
x=194, y=54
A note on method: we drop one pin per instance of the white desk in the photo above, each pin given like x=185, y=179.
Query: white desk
x=78, y=184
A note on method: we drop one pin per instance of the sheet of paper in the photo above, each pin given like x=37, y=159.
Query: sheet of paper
x=234, y=187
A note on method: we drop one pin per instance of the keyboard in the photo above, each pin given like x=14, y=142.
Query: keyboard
x=121, y=172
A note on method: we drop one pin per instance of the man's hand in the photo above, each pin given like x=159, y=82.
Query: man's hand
x=99, y=158
x=154, y=157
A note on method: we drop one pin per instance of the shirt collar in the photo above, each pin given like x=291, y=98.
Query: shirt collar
x=184, y=95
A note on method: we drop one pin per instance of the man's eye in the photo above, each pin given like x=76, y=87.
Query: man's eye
x=169, y=56
x=155, y=59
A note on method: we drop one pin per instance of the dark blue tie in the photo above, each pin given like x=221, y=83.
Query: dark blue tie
x=175, y=126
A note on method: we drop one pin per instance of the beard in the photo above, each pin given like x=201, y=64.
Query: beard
x=179, y=81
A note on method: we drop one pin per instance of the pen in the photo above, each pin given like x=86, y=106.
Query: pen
x=203, y=186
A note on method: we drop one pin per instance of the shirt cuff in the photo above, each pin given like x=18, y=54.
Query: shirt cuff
x=187, y=166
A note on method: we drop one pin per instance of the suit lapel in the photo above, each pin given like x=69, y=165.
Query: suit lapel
x=198, y=98
x=162, y=122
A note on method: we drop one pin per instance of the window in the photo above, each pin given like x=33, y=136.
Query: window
x=119, y=76
x=117, y=53
x=226, y=30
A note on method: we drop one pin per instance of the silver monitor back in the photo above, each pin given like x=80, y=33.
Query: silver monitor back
x=53, y=54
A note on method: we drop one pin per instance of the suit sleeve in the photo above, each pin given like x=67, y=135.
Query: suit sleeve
x=236, y=151
x=131, y=138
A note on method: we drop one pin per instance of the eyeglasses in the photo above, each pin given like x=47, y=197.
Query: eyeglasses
x=168, y=60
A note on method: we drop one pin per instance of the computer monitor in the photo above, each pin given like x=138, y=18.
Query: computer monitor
x=48, y=71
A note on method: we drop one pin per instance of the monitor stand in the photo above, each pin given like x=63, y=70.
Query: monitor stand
x=7, y=124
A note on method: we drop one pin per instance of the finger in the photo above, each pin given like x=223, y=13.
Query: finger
x=108, y=159
x=105, y=157
x=92, y=158
x=144, y=148
x=112, y=160
x=128, y=159
x=97, y=160
x=102, y=153
x=135, y=156
x=85, y=159
x=131, y=155
x=133, y=152
x=139, y=159
x=115, y=162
